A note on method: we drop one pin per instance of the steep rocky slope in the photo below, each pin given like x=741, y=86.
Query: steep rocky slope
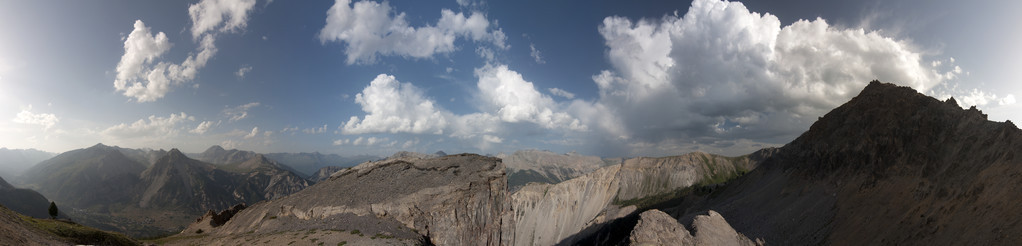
x=527, y=166
x=24, y=201
x=450, y=200
x=576, y=210
x=16, y=231
x=657, y=228
x=891, y=166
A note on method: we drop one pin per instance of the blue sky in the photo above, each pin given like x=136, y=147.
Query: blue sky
x=608, y=78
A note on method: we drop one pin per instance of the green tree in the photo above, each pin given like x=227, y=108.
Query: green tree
x=53, y=210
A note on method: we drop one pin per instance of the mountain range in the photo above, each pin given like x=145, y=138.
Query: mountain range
x=110, y=190
x=889, y=167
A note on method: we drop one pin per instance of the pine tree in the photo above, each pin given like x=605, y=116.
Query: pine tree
x=53, y=210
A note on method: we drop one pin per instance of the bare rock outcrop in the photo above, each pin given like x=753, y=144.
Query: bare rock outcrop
x=657, y=228
x=450, y=200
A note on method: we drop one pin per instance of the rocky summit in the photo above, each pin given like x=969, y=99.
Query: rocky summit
x=891, y=166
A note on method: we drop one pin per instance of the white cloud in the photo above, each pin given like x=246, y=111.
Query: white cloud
x=203, y=127
x=209, y=14
x=142, y=76
x=370, y=29
x=536, y=55
x=700, y=76
x=315, y=130
x=255, y=132
x=242, y=71
x=27, y=117
x=516, y=100
x=240, y=112
x=396, y=107
x=561, y=93
x=341, y=142
x=1007, y=100
x=153, y=127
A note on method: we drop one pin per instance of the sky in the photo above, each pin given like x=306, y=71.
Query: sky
x=605, y=78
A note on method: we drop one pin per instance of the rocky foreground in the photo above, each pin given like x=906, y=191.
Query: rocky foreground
x=456, y=200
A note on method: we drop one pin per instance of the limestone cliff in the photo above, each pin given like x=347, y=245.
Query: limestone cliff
x=563, y=213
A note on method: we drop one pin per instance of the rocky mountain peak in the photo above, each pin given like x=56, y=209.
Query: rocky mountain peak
x=886, y=124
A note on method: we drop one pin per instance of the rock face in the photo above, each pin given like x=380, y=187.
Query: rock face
x=527, y=166
x=891, y=166
x=546, y=214
x=657, y=228
x=450, y=200
x=564, y=213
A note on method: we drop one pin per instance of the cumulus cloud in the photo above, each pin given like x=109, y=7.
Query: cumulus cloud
x=240, y=112
x=27, y=117
x=207, y=15
x=371, y=29
x=144, y=77
x=516, y=100
x=396, y=107
x=152, y=127
x=721, y=73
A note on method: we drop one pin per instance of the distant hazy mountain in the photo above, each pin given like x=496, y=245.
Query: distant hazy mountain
x=308, y=163
x=527, y=166
x=24, y=201
x=93, y=177
x=147, y=157
x=15, y=161
x=219, y=156
x=116, y=192
x=324, y=173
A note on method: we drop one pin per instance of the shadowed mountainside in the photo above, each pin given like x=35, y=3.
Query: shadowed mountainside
x=24, y=201
x=891, y=166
